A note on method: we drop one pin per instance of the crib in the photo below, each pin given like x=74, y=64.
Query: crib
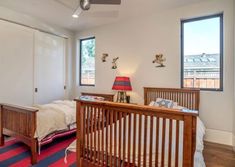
x=117, y=134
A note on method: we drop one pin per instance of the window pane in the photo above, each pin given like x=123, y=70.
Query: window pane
x=87, y=62
x=202, y=53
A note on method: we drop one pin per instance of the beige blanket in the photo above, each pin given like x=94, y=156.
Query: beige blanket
x=55, y=116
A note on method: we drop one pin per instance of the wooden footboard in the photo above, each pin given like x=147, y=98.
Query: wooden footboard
x=19, y=122
x=136, y=135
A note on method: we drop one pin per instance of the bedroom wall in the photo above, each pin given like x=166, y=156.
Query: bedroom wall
x=136, y=41
x=14, y=16
x=234, y=78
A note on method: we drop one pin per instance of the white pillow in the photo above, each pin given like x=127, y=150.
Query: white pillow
x=163, y=103
x=152, y=103
x=160, y=102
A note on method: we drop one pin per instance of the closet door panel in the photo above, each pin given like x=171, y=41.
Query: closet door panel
x=16, y=64
x=50, y=68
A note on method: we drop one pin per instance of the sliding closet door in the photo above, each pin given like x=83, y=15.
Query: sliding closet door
x=49, y=68
x=16, y=64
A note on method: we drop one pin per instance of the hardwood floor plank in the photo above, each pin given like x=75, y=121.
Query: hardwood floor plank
x=217, y=155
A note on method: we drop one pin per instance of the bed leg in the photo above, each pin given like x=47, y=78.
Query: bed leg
x=1, y=140
x=1, y=128
x=34, y=151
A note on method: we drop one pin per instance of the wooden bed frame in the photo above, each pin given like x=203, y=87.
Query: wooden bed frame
x=20, y=122
x=93, y=154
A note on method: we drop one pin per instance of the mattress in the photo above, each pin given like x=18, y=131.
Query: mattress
x=56, y=116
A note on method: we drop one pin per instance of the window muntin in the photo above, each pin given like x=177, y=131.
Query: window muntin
x=87, y=62
x=202, y=52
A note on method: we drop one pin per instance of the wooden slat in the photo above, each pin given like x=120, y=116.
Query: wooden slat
x=151, y=142
x=145, y=139
x=111, y=138
x=170, y=143
x=163, y=141
x=120, y=139
x=187, y=142
x=129, y=139
x=115, y=139
x=102, y=142
x=139, y=146
x=85, y=130
x=88, y=131
x=91, y=132
x=134, y=140
x=157, y=142
x=95, y=133
x=106, y=137
x=177, y=144
x=124, y=137
x=99, y=124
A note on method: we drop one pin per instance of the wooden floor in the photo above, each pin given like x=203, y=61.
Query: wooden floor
x=217, y=155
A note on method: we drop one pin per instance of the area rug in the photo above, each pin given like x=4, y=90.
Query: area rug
x=17, y=154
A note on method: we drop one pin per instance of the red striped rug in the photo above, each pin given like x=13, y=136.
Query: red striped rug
x=16, y=154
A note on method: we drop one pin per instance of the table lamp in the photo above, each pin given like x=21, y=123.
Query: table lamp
x=122, y=84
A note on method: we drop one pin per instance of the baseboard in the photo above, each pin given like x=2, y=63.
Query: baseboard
x=218, y=136
x=234, y=142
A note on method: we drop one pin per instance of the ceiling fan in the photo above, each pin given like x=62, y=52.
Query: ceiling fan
x=85, y=5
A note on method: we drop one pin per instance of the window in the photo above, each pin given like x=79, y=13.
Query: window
x=202, y=53
x=87, y=62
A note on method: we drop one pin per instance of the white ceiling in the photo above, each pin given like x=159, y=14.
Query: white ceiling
x=58, y=12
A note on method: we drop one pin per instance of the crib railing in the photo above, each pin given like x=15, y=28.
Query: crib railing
x=114, y=134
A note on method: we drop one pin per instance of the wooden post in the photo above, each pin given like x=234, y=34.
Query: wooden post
x=188, y=152
x=33, y=140
x=145, y=96
x=1, y=127
x=33, y=151
x=79, y=135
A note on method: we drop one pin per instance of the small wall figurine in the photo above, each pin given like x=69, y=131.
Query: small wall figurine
x=104, y=56
x=114, y=63
x=159, y=60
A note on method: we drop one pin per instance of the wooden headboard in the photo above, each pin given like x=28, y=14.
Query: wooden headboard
x=107, y=97
x=188, y=98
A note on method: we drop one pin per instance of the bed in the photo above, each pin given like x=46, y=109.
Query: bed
x=140, y=135
x=36, y=128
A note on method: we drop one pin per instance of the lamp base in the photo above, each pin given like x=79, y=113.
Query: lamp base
x=121, y=97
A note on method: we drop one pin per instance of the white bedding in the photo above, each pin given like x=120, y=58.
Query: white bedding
x=55, y=116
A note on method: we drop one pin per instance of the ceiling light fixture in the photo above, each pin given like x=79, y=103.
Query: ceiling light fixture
x=75, y=16
x=77, y=12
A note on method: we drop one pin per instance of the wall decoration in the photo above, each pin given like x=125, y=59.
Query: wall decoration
x=104, y=56
x=159, y=60
x=114, y=63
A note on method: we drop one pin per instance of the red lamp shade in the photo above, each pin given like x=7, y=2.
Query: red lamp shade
x=122, y=84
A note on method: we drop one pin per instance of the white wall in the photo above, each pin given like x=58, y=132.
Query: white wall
x=234, y=78
x=14, y=16
x=136, y=42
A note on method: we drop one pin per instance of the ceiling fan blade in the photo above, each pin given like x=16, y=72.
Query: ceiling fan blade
x=102, y=14
x=106, y=2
